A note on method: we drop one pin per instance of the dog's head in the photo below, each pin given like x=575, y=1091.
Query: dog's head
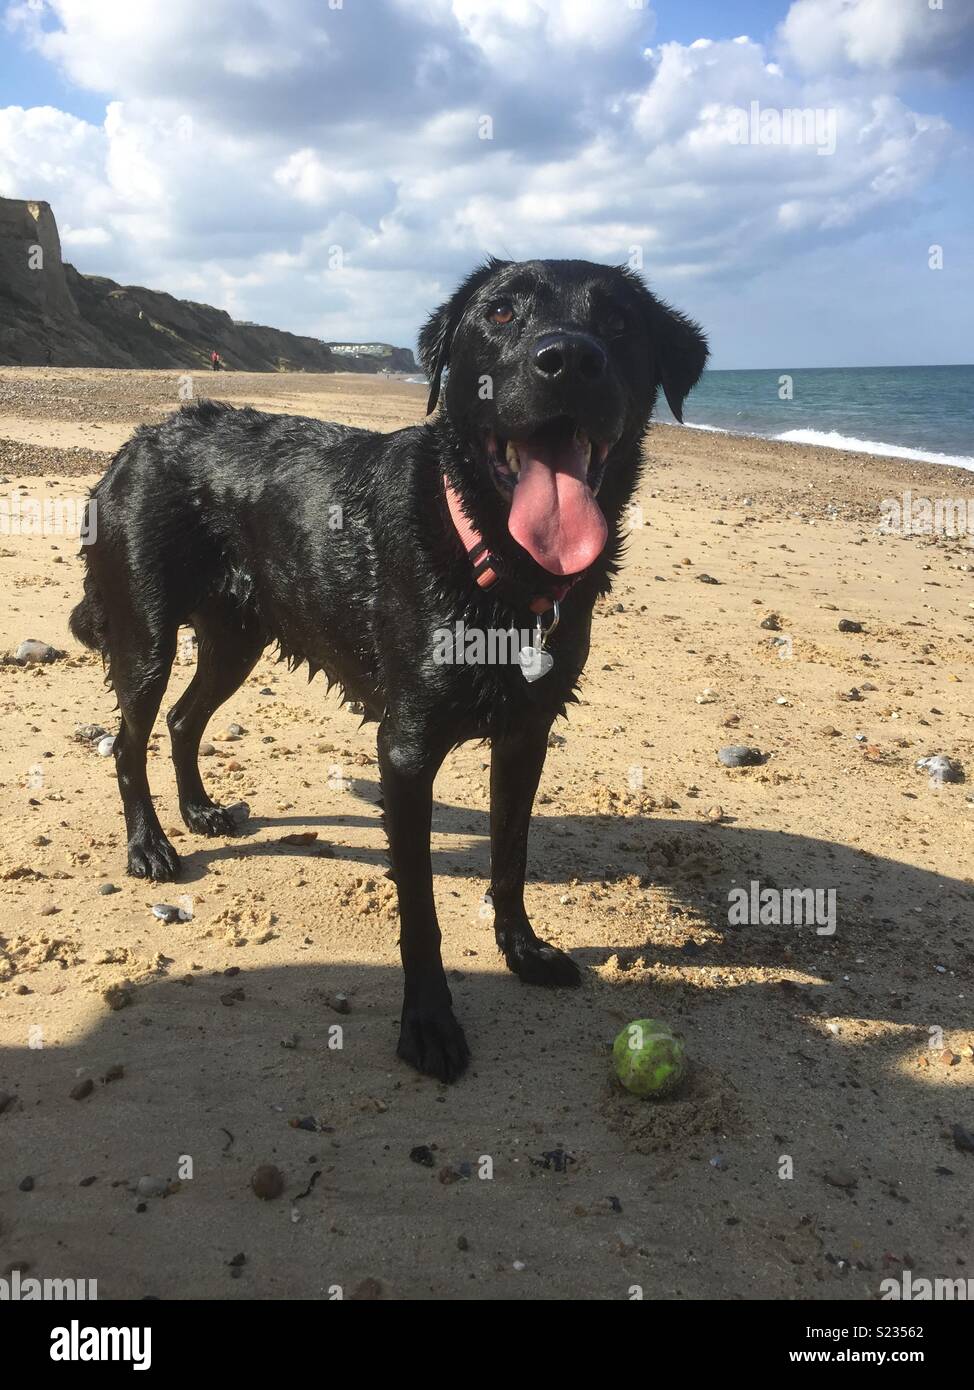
x=554, y=368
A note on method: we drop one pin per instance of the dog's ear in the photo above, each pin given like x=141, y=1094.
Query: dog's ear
x=681, y=353
x=436, y=336
x=679, y=347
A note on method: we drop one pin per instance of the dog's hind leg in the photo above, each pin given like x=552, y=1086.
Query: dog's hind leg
x=139, y=673
x=516, y=761
x=228, y=645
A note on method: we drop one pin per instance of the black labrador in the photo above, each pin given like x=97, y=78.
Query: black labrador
x=356, y=552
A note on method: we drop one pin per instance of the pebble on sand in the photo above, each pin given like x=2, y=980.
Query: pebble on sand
x=738, y=755
x=267, y=1182
x=152, y=1187
x=941, y=769
x=166, y=912
x=89, y=733
x=106, y=746
x=33, y=653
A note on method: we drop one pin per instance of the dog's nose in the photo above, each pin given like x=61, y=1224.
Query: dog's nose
x=568, y=357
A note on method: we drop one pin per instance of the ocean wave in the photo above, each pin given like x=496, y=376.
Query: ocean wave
x=831, y=439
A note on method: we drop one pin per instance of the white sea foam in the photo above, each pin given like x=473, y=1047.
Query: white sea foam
x=831, y=439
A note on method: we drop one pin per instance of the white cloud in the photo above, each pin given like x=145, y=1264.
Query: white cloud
x=821, y=35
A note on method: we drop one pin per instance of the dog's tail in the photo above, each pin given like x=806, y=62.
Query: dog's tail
x=89, y=621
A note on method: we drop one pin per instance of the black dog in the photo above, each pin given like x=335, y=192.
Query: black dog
x=351, y=550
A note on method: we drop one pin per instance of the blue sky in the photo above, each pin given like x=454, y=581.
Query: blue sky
x=327, y=168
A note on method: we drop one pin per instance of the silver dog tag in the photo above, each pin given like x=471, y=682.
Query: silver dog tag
x=534, y=661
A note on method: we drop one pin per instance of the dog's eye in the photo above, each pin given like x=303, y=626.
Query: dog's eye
x=501, y=312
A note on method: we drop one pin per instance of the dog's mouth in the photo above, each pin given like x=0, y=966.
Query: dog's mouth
x=551, y=477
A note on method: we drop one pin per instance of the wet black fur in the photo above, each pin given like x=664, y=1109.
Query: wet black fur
x=335, y=545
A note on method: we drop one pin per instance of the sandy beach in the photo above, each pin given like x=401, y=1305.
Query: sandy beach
x=813, y=1151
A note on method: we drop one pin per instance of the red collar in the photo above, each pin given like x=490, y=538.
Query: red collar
x=488, y=568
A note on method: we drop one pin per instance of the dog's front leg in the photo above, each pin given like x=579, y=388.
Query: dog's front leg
x=515, y=770
x=430, y=1038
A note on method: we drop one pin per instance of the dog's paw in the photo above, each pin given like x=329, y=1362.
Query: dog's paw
x=153, y=857
x=534, y=962
x=209, y=820
x=432, y=1041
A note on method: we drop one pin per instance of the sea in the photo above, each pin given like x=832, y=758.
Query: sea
x=923, y=413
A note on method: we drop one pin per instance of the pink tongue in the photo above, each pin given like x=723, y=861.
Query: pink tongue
x=554, y=514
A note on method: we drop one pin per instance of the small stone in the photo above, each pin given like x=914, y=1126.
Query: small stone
x=772, y=623
x=738, y=755
x=462, y=1243
x=152, y=1187
x=106, y=746
x=207, y=750
x=267, y=1182
x=941, y=769
x=707, y=579
x=839, y=1176
x=850, y=625
x=963, y=1139
x=236, y=730
x=90, y=733
x=423, y=1155
x=167, y=912
x=107, y=889
x=117, y=997
x=340, y=1003
x=715, y=814
x=83, y=1089
x=239, y=812
x=26, y=1184
x=32, y=653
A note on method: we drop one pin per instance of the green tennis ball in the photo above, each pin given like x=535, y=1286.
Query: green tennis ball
x=649, y=1060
